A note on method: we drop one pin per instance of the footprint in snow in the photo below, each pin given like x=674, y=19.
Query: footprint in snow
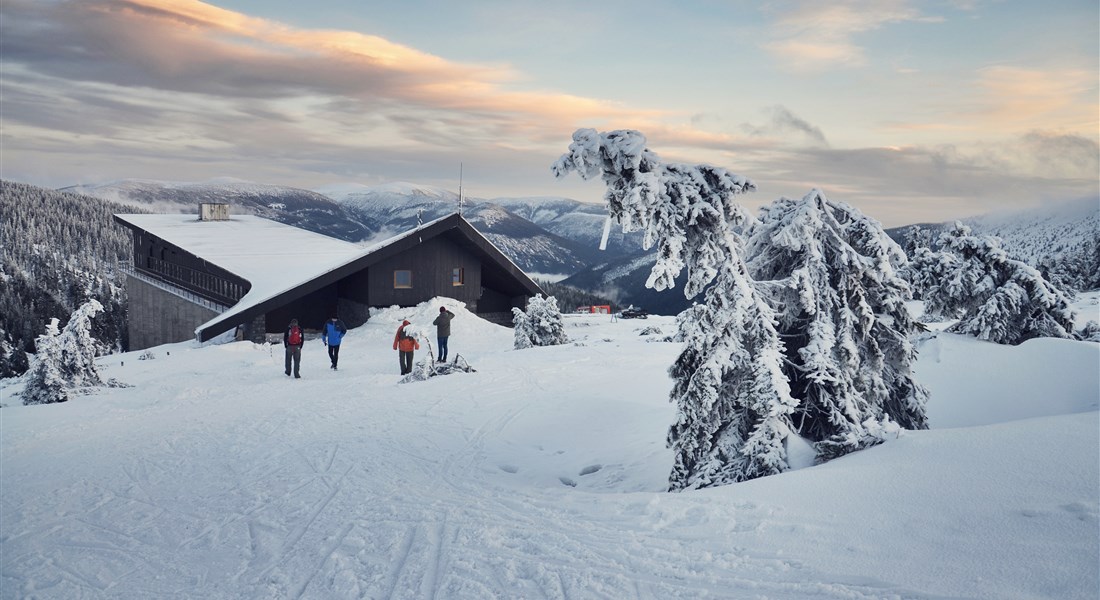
x=590, y=469
x=509, y=468
x=567, y=481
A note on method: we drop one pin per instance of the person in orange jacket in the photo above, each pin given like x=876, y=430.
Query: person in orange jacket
x=405, y=343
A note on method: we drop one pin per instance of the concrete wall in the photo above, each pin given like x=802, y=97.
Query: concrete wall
x=160, y=317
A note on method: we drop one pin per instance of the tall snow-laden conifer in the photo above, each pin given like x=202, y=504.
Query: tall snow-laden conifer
x=79, y=348
x=733, y=400
x=1001, y=299
x=843, y=320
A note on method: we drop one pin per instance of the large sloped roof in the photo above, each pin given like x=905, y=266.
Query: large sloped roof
x=283, y=263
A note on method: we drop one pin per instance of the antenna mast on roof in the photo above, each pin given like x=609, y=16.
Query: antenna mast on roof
x=460, y=189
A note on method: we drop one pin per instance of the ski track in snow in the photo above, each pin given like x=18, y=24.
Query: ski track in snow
x=238, y=483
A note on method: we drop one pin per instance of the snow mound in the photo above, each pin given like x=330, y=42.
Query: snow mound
x=972, y=382
x=466, y=324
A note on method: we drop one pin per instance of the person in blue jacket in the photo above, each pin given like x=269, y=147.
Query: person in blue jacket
x=331, y=335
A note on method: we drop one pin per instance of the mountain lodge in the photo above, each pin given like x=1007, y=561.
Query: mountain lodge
x=198, y=277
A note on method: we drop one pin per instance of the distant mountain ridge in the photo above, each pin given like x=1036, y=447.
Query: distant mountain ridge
x=1035, y=234
x=400, y=206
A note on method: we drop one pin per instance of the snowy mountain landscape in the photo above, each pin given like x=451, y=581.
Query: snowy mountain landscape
x=764, y=301
x=540, y=475
x=553, y=238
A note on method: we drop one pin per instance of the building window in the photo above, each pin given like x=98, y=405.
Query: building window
x=458, y=276
x=402, y=279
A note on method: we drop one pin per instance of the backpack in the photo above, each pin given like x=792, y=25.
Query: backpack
x=403, y=335
x=295, y=336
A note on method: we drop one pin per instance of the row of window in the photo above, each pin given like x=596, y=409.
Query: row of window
x=403, y=278
x=196, y=279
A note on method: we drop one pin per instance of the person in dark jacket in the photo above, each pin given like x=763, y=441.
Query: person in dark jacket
x=406, y=344
x=331, y=335
x=293, y=340
x=443, y=330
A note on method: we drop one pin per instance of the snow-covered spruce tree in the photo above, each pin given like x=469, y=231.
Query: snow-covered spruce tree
x=733, y=400
x=1001, y=299
x=928, y=270
x=66, y=360
x=915, y=239
x=844, y=322
x=541, y=325
x=44, y=382
x=79, y=347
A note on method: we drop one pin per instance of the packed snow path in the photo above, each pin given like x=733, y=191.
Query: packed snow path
x=539, y=476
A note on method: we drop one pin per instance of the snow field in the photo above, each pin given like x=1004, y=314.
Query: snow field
x=539, y=476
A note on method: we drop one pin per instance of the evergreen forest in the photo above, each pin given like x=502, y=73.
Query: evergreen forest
x=57, y=251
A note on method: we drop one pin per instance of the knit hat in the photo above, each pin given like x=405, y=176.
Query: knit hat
x=442, y=309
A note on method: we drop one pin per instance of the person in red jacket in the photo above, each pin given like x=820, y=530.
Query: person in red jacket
x=293, y=340
x=405, y=343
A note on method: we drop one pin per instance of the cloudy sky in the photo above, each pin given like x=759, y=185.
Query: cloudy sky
x=911, y=111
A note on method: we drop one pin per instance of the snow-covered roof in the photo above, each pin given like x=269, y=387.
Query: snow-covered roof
x=271, y=256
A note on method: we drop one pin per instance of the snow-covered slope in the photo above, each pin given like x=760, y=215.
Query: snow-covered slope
x=541, y=475
x=397, y=198
x=1064, y=236
x=579, y=221
x=1051, y=230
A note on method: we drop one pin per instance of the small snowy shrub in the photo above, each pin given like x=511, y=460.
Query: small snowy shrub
x=45, y=384
x=427, y=369
x=541, y=325
x=64, y=360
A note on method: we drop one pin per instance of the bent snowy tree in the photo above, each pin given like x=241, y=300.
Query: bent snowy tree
x=1000, y=299
x=732, y=397
x=844, y=321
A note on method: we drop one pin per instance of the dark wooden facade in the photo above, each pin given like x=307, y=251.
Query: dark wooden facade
x=177, y=266
x=447, y=258
x=431, y=264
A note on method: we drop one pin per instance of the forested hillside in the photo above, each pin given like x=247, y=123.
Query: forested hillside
x=57, y=250
x=569, y=297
